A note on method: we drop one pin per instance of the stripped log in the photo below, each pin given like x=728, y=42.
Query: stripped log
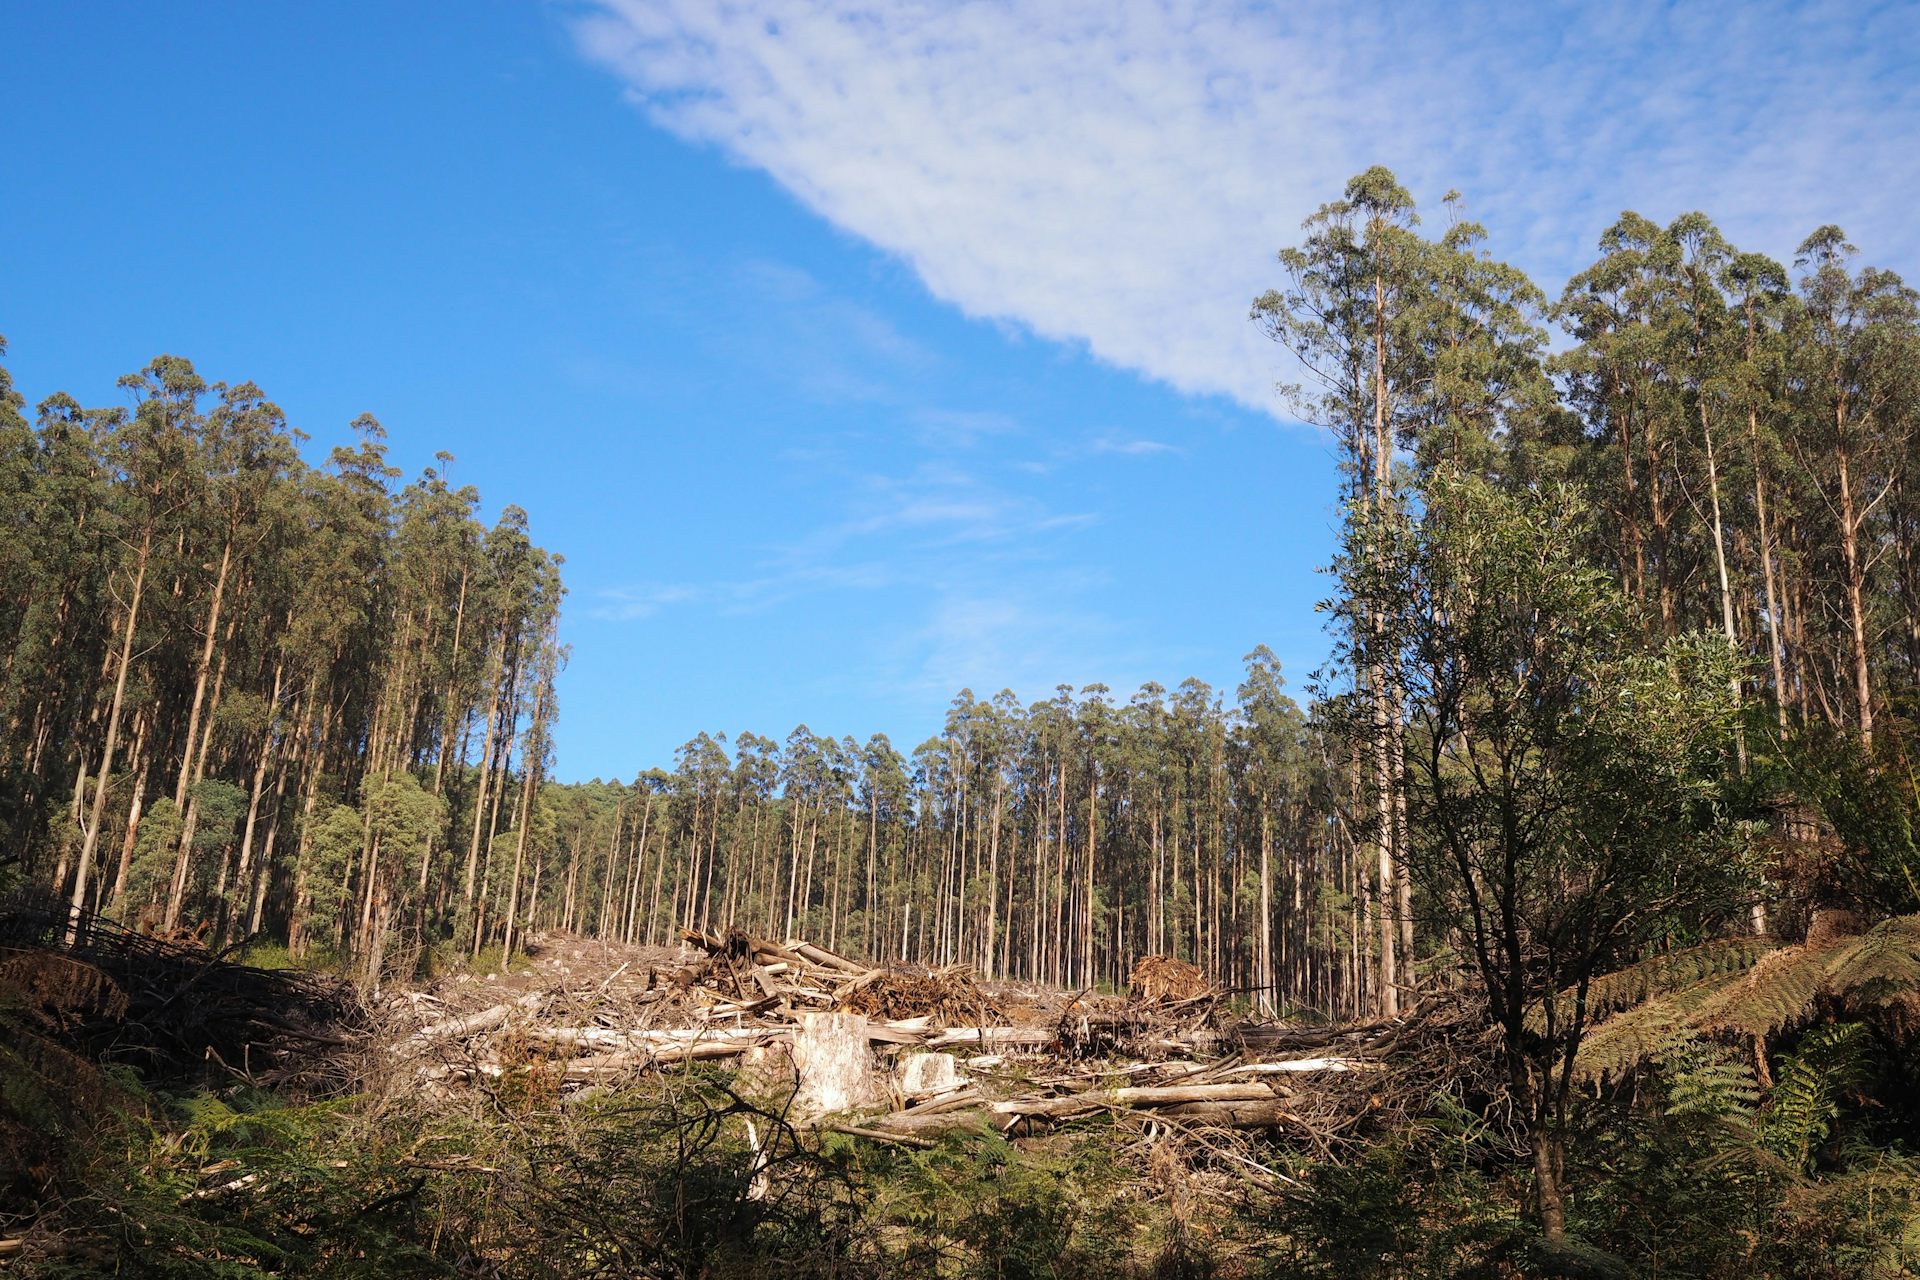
x=471, y=1025
x=826, y=959
x=1245, y=1106
x=1294, y=1065
x=1132, y=1096
x=657, y=1043
x=993, y=1037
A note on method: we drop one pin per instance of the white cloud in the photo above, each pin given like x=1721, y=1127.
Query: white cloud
x=1119, y=175
x=1132, y=448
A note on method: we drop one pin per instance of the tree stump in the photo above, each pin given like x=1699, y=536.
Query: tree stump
x=925, y=1074
x=834, y=1064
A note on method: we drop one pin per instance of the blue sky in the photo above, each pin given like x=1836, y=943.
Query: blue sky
x=855, y=355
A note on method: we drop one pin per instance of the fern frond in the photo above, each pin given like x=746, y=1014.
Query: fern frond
x=1879, y=965
x=56, y=988
x=1673, y=971
x=1808, y=1088
x=1778, y=992
x=1708, y=1079
x=1644, y=1033
x=1783, y=988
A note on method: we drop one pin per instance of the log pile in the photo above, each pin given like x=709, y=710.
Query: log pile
x=894, y=1053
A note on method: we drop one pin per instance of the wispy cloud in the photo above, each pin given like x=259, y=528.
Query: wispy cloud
x=959, y=428
x=1119, y=175
x=988, y=641
x=636, y=602
x=1131, y=448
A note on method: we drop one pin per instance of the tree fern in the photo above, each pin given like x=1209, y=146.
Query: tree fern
x=1673, y=971
x=1777, y=993
x=1875, y=974
x=1880, y=965
x=1645, y=1032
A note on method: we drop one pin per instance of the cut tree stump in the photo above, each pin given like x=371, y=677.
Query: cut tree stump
x=835, y=1066
x=922, y=1075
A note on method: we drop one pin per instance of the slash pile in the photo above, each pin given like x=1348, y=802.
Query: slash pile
x=890, y=1052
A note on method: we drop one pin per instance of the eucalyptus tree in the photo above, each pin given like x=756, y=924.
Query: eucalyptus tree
x=149, y=451
x=1755, y=387
x=1269, y=750
x=886, y=795
x=67, y=518
x=1485, y=404
x=246, y=455
x=1615, y=378
x=1355, y=316
x=1855, y=379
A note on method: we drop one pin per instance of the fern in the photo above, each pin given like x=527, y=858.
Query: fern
x=1807, y=1092
x=1777, y=993
x=1706, y=1079
x=1673, y=971
x=1644, y=1033
x=1880, y=965
x=1877, y=972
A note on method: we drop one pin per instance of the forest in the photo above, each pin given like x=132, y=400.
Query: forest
x=1613, y=753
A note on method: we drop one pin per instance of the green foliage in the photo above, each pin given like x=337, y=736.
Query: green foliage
x=154, y=850
x=221, y=806
x=1417, y=1203
x=269, y=955
x=1809, y=1087
x=1873, y=802
x=1705, y=1079
x=488, y=960
x=983, y=1206
x=333, y=845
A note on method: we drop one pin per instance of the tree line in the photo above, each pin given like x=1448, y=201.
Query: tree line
x=1055, y=842
x=245, y=695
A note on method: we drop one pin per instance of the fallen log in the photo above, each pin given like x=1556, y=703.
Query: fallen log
x=656, y=1042
x=992, y=1037
x=1272, y=1114
x=1141, y=1097
x=1302, y=1065
x=1243, y=1106
x=471, y=1025
x=827, y=959
x=881, y=1135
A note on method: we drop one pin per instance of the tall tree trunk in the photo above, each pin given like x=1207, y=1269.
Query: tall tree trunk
x=1726, y=587
x=176, y=897
x=201, y=670
x=257, y=788
x=142, y=768
x=1383, y=711
x=92, y=838
x=1775, y=644
x=1856, y=575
